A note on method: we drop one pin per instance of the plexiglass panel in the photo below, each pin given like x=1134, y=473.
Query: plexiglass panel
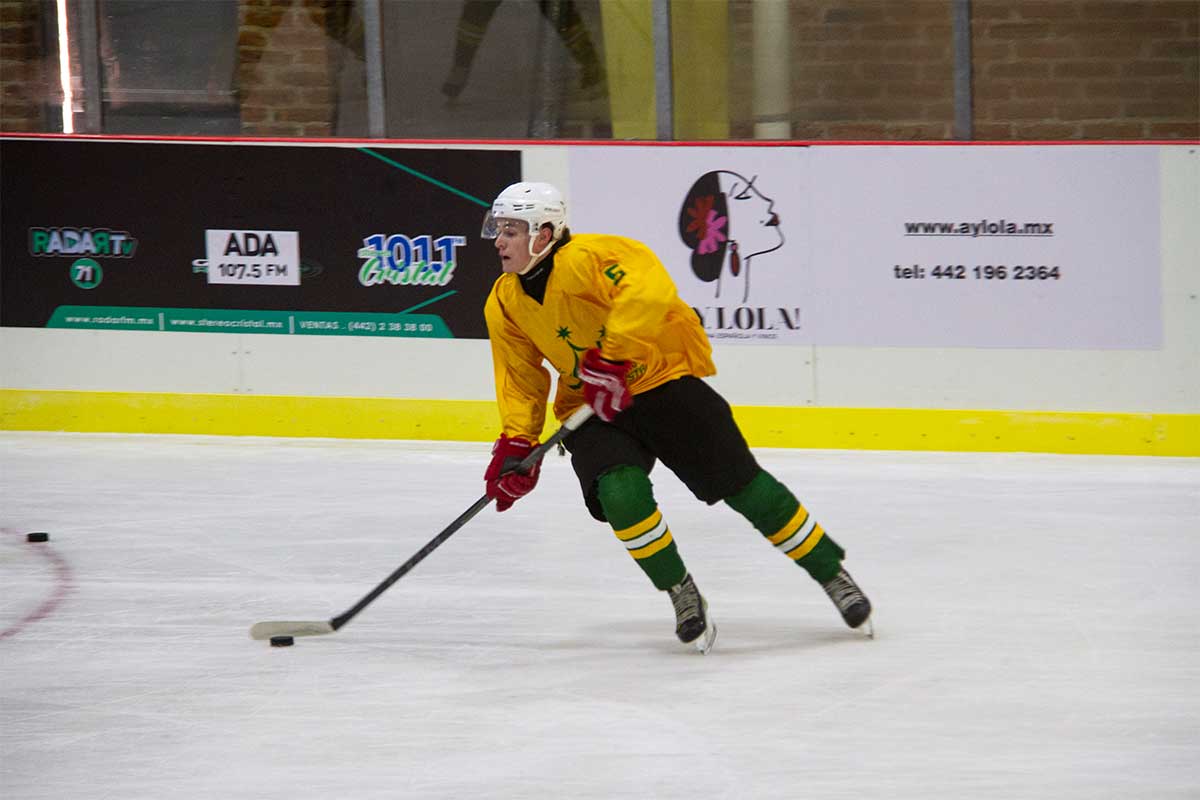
x=604, y=69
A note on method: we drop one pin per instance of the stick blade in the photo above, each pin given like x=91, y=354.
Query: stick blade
x=265, y=630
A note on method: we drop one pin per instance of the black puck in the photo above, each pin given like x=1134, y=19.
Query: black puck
x=37, y=536
x=282, y=641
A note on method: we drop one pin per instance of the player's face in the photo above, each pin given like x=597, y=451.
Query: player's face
x=512, y=243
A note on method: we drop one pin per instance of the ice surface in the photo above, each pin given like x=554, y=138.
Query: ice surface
x=1036, y=622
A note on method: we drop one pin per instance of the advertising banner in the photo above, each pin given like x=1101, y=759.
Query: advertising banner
x=906, y=246
x=893, y=246
x=279, y=239
x=730, y=224
x=1004, y=246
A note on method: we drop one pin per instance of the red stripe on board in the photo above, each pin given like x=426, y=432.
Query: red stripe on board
x=63, y=584
x=103, y=137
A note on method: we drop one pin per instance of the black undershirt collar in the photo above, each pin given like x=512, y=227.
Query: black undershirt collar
x=534, y=282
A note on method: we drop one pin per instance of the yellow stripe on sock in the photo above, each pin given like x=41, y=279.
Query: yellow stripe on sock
x=654, y=547
x=638, y=528
x=807, y=545
x=792, y=525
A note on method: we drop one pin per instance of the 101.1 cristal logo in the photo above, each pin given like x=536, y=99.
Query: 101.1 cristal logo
x=408, y=261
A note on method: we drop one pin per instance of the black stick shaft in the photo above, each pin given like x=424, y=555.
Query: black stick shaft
x=577, y=419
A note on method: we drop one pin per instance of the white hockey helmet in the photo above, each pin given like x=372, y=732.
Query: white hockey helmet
x=536, y=204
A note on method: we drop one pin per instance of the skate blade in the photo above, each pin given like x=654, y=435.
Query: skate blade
x=867, y=628
x=704, y=641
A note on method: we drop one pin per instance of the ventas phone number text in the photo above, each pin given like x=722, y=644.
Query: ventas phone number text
x=978, y=272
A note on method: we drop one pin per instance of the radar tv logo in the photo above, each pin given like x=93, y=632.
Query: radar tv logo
x=84, y=272
x=81, y=242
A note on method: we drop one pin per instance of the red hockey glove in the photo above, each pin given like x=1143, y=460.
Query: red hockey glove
x=503, y=483
x=604, y=384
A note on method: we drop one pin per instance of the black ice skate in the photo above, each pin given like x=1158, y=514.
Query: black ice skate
x=692, y=624
x=850, y=601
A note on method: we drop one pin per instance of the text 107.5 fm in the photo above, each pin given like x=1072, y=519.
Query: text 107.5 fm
x=981, y=272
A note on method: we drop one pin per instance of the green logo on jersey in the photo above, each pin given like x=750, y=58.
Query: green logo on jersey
x=564, y=333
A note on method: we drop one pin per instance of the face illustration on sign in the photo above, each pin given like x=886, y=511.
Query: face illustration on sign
x=726, y=221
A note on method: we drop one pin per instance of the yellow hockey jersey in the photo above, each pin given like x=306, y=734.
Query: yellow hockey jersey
x=603, y=291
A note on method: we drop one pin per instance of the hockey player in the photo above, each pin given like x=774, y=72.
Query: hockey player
x=605, y=313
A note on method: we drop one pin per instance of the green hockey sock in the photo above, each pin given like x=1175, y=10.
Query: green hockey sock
x=627, y=498
x=786, y=524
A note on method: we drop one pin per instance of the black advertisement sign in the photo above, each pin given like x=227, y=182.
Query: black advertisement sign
x=248, y=238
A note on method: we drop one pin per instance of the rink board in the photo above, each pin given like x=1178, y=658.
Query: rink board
x=468, y=420
x=979, y=297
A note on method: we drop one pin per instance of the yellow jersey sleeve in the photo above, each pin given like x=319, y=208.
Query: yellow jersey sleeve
x=522, y=383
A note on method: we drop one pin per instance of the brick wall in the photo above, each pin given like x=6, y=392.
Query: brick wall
x=285, y=67
x=24, y=70
x=1042, y=69
x=859, y=69
x=1086, y=69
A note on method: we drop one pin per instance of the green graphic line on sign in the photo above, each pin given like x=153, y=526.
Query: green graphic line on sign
x=424, y=177
x=428, y=302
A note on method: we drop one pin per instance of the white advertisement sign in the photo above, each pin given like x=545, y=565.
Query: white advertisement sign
x=253, y=257
x=987, y=246
x=921, y=246
x=729, y=223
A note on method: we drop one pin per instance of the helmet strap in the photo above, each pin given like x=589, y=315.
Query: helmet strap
x=535, y=258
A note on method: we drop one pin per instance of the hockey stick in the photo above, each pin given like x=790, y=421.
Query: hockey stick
x=265, y=630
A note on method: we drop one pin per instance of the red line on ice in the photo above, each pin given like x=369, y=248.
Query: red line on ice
x=62, y=586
